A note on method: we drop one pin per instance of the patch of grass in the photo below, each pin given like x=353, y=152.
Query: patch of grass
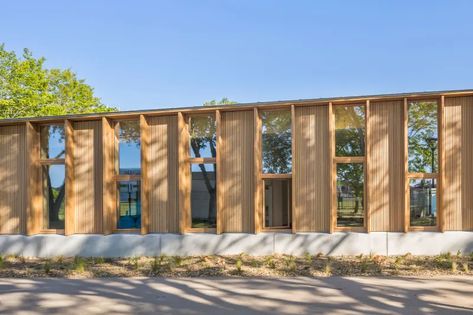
x=60, y=260
x=134, y=262
x=47, y=267
x=79, y=264
x=308, y=258
x=99, y=260
x=328, y=268
x=290, y=263
x=454, y=266
x=155, y=265
x=178, y=260
x=2, y=262
x=239, y=265
x=465, y=267
x=269, y=261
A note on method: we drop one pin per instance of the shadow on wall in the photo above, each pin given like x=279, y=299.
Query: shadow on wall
x=237, y=296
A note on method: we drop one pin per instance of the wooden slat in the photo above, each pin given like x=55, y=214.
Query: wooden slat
x=294, y=215
x=259, y=185
x=219, y=195
x=163, y=175
x=406, y=166
x=367, y=188
x=109, y=187
x=386, y=166
x=332, y=169
x=311, y=177
x=145, y=187
x=69, y=219
x=237, y=163
x=184, y=174
x=441, y=165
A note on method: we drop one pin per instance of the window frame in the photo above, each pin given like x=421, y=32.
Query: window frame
x=117, y=177
x=201, y=160
x=48, y=162
x=271, y=176
x=335, y=160
x=415, y=175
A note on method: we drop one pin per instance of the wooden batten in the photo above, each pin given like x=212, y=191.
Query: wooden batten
x=184, y=173
x=219, y=201
x=34, y=200
x=406, y=166
x=145, y=188
x=294, y=214
x=366, y=167
x=69, y=224
x=259, y=185
x=441, y=163
x=109, y=187
x=332, y=169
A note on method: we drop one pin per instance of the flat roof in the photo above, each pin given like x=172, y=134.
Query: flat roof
x=240, y=106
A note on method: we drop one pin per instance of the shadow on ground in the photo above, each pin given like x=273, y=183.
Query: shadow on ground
x=334, y=295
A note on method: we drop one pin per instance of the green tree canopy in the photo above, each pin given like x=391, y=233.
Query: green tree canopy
x=28, y=89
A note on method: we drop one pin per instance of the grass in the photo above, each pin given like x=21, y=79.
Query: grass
x=243, y=265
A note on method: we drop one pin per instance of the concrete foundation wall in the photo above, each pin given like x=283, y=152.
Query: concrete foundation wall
x=127, y=245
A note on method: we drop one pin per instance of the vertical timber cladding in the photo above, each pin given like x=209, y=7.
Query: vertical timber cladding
x=13, y=180
x=386, y=166
x=87, y=176
x=312, y=174
x=163, y=174
x=237, y=171
x=458, y=172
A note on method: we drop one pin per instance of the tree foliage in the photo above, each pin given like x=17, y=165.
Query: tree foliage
x=28, y=89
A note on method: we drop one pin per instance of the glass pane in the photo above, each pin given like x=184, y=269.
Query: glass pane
x=129, y=209
x=202, y=132
x=53, y=177
x=203, y=207
x=423, y=137
x=52, y=142
x=277, y=203
x=129, y=148
x=350, y=194
x=349, y=130
x=423, y=197
x=277, y=141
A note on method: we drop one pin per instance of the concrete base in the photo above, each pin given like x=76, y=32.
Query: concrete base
x=128, y=245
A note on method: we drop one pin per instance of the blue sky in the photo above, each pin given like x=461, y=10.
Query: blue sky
x=153, y=54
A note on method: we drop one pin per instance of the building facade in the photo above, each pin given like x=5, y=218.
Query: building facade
x=384, y=174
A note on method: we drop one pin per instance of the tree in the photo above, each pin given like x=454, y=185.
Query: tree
x=28, y=89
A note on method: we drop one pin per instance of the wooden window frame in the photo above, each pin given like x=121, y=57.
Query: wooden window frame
x=125, y=177
x=55, y=161
x=335, y=160
x=261, y=177
x=436, y=175
x=188, y=162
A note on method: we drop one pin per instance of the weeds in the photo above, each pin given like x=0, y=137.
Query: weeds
x=47, y=267
x=2, y=262
x=79, y=264
x=269, y=261
x=238, y=265
x=308, y=258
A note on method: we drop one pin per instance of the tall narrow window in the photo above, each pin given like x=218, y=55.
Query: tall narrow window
x=52, y=147
x=422, y=137
x=128, y=174
x=277, y=168
x=203, y=151
x=349, y=163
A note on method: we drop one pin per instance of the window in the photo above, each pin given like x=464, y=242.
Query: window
x=423, y=201
x=422, y=139
x=277, y=203
x=128, y=174
x=276, y=172
x=129, y=204
x=349, y=163
x=350, y=195
x=277, y=142
x=203, y=199
x=203, y=153
x=349, y=130
x=53, y=174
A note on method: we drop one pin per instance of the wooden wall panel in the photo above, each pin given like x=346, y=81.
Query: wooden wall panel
x=458, y=173
x=236, y=170
x=163, y=170
x=386, y=166
x=87, y=177
x=13, y=180
x=312, y=180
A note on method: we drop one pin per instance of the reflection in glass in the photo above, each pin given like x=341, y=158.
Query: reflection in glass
x=350, y=194
x=277, y=203
x=53, y=177
x=349, y=130
x=423, y=137
x=277, y=142
x=129, y=208
x=202, y=132
x=203, y=207
x=423, y=198
x=129, y=148
x=52, y=142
